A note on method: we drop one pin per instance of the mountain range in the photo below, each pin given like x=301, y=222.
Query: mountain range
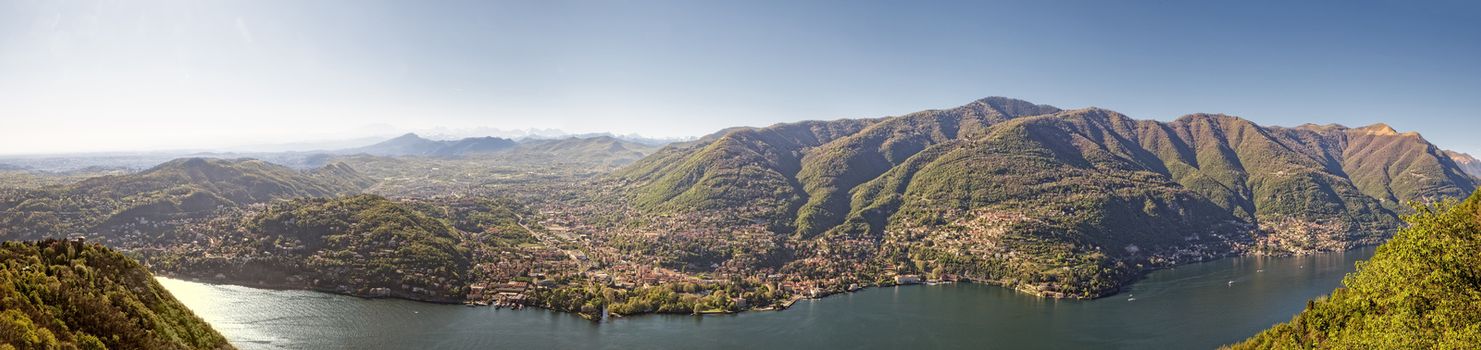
x=413, y=145
x=1008, y=191
x=1466, y=162
x=181, y=189
x=597, y=148
x=1056, y=202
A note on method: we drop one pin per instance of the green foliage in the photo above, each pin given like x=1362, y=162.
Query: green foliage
x=493, y=220
x=671, y=298
x=186, y=188
x=1071, y=203
x=72, y=295
x=1421, y=290
x=346, y=244
x=601, y=151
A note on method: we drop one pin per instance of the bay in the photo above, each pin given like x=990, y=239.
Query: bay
x=1196, y=306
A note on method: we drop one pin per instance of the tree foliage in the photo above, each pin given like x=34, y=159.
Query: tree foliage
x=1421, y=290
x=73, y=295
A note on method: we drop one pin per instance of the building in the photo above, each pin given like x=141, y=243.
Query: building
x=907, y=279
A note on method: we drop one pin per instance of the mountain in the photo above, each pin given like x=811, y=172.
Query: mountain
x=1419, y=291
x=604, y=150
x=600, y=149
x=1056, y=202
x=1466, y=162
x=355, y=245
x=163, y=196
x=413, y=145
x=474, y=145
x=71, y=295
x=409, y=144
x=238, y=181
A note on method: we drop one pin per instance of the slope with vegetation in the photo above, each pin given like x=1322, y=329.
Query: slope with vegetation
x=363, y=245
x=413, y=145
x=1421, y=290
x=1066, y=203
x=598, y=150
x=183, y=189
x=73, y=295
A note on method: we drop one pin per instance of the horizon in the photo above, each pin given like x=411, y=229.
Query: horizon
x=444, y=134
x=817, y=174
x=94, y=76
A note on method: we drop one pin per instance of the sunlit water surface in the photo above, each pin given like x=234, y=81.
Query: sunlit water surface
x=1190, y=307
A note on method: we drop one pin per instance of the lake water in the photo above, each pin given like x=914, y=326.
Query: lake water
x=1190, y=307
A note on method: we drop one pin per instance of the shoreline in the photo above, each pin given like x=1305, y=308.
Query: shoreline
x=782, y=306
x=291, y=287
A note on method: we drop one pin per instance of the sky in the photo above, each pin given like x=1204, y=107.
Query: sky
x=90, y=76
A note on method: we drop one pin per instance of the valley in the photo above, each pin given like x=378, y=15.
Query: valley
x=660, y=174
x=1057, y=203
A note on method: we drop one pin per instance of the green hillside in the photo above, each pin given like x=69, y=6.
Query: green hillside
x=1421, y=290
x=150, y=201
x=1071, y=203
x=600, y=150
x=73, y=295
x=346, y=244
x=751, y=173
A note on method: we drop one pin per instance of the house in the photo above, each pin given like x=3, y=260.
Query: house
x=907, y=279
x=475, y=291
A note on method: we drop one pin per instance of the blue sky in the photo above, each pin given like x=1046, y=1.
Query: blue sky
x=136, y=75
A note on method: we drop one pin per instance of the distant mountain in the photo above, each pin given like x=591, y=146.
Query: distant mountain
x=413, y=145
x=595, y=150
x=239, y=181
x=592, y=150
x=1419, y=291
x=179, y=189
x=1059, y=202
x=474, y=145
x=527, y=134
x=635, y=138
x=1466, y=162
x=74, y=295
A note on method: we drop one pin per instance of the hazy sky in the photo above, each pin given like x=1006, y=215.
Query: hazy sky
x=135, y=75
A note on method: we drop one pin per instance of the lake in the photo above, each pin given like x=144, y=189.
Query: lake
x=1190, y=307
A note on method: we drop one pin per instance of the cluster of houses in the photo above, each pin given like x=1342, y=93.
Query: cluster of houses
x=508, y=294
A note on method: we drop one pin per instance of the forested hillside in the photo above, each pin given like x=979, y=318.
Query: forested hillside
x=600, y=150
x=1059, y=202
x=73, y=295
x=166, y=195
x=350, y=245
x=1421, y=290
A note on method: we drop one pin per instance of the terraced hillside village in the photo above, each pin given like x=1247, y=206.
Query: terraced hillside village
x=1065, y=203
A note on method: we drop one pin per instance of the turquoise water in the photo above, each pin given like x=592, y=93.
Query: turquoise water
x=1190, y=307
